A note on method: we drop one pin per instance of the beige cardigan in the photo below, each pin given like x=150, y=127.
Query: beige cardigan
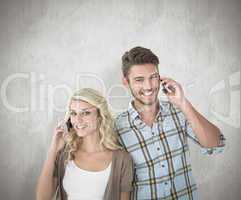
x=120, y=179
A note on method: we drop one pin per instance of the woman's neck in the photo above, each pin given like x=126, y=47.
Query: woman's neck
x=91, y=144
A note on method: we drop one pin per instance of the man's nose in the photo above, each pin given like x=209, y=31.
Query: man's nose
x=147, y=84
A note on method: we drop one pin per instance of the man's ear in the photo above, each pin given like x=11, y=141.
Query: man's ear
x=125, y=81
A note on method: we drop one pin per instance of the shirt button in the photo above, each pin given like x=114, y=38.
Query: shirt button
x=163, y=165
x=158, y=148
x=165, y=183
x=153, y=133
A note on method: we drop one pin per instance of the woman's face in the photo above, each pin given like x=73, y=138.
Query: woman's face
x=83, y=117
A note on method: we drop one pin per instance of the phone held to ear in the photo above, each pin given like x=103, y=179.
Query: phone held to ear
x=68, y=125
x=168, y=89
x=64, y=125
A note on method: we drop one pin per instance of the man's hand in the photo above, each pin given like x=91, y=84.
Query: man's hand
x=207, y=133
x=174, y=92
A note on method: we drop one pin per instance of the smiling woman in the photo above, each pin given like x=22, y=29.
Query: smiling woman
x=86, y=162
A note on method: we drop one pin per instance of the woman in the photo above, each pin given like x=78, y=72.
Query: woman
x=86, y=161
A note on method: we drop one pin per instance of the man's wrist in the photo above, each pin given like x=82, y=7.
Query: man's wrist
x=185, y=105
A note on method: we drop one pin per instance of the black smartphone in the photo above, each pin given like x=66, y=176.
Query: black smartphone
x=165, y=91
x=69, y=125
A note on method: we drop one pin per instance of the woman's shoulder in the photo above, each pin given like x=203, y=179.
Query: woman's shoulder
x=122, y=154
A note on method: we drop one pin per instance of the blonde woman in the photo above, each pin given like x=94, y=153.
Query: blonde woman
x=85, y=162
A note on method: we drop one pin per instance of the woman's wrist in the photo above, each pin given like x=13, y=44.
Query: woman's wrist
x=52, y=151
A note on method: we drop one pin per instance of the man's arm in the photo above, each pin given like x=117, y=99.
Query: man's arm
x=207, y=133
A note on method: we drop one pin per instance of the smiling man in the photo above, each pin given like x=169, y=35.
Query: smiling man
x=155, y=132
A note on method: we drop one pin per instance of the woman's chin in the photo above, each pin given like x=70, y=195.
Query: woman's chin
x=84, y=133
x=81, y=134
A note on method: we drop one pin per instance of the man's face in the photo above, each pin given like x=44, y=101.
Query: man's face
x=144, y=83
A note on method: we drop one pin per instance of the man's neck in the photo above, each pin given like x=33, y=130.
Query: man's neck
x=147, y=112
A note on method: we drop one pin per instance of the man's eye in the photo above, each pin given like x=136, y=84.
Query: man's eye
x=155, y=77
x=139, y=80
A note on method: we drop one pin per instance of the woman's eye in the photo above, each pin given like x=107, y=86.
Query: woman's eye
x=85, y=113
x=72, y=113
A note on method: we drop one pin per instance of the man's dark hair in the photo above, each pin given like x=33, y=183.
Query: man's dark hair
x=138, y=56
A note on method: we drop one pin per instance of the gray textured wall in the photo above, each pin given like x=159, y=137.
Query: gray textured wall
x=49, y=47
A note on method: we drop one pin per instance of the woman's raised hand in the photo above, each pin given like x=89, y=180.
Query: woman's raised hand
x=58, y=139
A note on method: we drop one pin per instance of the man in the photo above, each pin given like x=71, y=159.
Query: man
x=155, y=132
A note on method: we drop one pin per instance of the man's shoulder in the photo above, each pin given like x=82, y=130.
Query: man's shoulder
x=122, y=117
x=123, y=121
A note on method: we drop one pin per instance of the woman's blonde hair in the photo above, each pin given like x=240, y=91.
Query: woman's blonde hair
x=108, y=137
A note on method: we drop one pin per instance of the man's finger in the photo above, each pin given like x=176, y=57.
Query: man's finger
x=162, y=77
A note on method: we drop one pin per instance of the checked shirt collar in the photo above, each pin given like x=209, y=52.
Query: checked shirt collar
x=162, y=113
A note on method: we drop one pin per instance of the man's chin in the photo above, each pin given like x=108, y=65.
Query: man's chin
x=148, y=102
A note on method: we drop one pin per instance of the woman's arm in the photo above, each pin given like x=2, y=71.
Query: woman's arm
x=47, y=182
x=125, y=196
x=127, y=174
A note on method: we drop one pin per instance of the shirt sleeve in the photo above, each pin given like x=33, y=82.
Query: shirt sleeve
x=127, y=173
x=209, y=151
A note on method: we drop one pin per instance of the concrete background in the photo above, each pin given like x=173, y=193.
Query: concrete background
x=50, y=47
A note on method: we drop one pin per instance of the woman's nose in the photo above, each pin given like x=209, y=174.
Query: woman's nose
x=79, y=118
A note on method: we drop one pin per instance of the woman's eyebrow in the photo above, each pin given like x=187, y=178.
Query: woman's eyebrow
x=138, y=77
x=83, y=109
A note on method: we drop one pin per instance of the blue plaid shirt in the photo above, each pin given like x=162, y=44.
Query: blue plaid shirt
x=160, y=153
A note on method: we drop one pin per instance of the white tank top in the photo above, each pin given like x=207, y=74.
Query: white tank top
x=81, y=184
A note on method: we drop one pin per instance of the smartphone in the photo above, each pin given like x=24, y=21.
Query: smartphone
x=65, y=125
x=69, y=125
x=165, y=91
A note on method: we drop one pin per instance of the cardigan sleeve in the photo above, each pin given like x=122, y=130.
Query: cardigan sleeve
x=55, y=174
x=56, y=164
x=127, y=173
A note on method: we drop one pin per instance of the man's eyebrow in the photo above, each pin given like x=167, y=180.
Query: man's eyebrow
x=156, y=73
x=139, y=77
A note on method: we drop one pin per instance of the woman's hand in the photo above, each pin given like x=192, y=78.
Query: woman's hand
x=58, y=139
x=47, y=182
